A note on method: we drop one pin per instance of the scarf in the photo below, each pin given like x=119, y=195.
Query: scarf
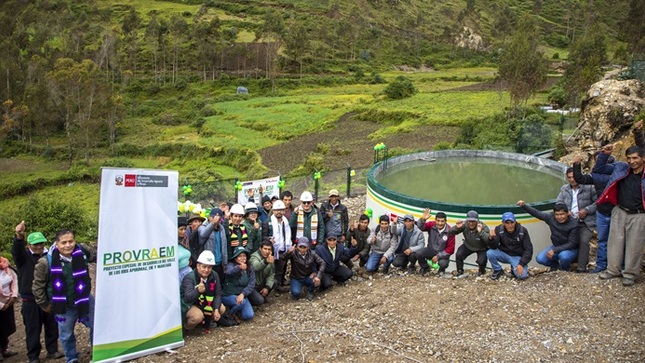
x=82, y=285
x=205, y=299
x=235, y=239
x=282, y=241
x=300, y=227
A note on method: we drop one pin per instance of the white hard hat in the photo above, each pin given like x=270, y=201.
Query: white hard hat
x=237, y=209
x=278, y=204
x=250, y=207
x=207, y=258
x=306, y=197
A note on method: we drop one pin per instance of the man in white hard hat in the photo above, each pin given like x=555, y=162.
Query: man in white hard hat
x=201, y=294
x=236, y=234
x=307, y=221
x=277, y=231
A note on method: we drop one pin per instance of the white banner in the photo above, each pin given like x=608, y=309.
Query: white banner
x=137, y=308
x=251, y=190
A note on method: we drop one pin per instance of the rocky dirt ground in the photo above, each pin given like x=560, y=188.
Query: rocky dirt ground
x=559, y=316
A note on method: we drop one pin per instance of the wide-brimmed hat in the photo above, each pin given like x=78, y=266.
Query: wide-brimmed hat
x=195, y=216
x=238, y=251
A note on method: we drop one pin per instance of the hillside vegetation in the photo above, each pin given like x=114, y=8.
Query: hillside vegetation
x=138, y=83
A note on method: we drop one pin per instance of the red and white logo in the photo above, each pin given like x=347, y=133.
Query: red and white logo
x=130, y=180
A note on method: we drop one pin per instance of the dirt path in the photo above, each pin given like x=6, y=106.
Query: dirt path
x=349, y=143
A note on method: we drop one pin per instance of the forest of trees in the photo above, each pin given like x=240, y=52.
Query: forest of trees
x=69, y=65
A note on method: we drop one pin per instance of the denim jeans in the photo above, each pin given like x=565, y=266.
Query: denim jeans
x=296, y=286
x=564, y=257
x=603, y=222
x=66, y=330
x=496, y=256
x=245, y=309
x=375, y=259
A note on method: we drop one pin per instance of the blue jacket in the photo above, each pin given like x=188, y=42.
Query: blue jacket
x=207, y=239
x=617, y=171
x=333, y=262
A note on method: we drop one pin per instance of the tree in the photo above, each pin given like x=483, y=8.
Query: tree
x=633, y=29
x=297, y=43
x=130, y=27
x=522, y=65
x=80, y=93
x=587, y=54
x=272, y=32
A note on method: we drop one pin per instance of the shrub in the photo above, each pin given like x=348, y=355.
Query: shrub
x=118, y=163
x=167, y=119
x=47, y=215
x=400, y=88
x=557, y=96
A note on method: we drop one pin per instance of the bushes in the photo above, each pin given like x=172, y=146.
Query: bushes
x=400, y=88
x=511, y=131
x=47, y=215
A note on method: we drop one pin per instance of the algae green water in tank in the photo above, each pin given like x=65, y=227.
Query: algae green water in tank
x=473, y=181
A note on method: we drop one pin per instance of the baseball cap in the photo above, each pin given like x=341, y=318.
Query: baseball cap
x=472, y=216
x=408, y=216
x=333, y=192
x=303, y=241
x=36, y=238
x=508, y=216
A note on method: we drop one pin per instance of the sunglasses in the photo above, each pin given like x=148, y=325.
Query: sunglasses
x=307, y=202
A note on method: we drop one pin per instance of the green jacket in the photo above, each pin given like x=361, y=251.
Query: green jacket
x=293, y=223
x=264, y=272
x=255, y=235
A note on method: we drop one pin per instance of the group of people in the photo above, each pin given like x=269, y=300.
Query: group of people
x=231, y=261
x=54, y=286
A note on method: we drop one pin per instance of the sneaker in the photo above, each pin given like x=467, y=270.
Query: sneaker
x=481, y=273
x=412, y=270
x=606, y=275
x=554, y=266
x=583, y=271
x=422, y=271
x=628, y=281
x=386, y=270
x=310, y=295
x=37, y=360
x=55, y=355
x=597, y=270
x=460, y=276
x=497, y=274
x=445, y=275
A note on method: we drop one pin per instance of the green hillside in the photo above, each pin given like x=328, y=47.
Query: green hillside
x=140, y=83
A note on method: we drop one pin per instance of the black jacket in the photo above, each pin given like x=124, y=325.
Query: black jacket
x=25, y=262
x=517, y=243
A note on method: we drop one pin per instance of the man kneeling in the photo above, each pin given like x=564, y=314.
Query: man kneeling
x=201, y=294
x=510, y=243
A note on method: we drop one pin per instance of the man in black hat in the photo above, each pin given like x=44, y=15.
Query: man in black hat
x=476, y=235
x=306, y=269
